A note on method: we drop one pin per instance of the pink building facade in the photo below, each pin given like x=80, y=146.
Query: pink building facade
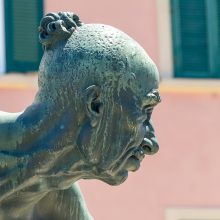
x=182, y=37
x=181, y=181
x=147, y=21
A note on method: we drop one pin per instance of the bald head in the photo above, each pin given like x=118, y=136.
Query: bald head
x=94, y=54
x=106, y=84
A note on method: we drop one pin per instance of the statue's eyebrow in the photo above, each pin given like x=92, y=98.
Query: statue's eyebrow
x=152, y=98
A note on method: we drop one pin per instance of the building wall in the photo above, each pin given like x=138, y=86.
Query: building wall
x=137, y=20
x=2, y=38
x=148, y=22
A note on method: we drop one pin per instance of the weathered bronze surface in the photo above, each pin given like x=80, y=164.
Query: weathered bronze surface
x=89, y=120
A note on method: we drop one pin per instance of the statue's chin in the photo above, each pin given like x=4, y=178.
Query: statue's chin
x=118, y=179
x=131, y=164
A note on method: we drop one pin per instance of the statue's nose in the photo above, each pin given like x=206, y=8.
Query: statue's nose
x=150, y=146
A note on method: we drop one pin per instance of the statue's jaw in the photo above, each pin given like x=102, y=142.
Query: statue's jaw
x=117, y=179
x=118, y=173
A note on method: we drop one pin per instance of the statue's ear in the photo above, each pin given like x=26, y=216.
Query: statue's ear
x=94, y=105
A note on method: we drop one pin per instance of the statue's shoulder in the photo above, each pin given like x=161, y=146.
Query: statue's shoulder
x=70, y=201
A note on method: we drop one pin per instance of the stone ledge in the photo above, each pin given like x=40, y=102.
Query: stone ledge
x=210, y=86
x=19, y=81
x=29, y=81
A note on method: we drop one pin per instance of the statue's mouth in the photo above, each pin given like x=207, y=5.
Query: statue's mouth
x=131, y=160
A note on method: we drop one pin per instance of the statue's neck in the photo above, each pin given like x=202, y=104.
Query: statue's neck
x=39, y=144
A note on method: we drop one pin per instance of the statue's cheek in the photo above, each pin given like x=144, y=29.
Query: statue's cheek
x=84, y=140
x=86, y=143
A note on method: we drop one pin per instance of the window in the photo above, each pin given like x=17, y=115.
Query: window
x=196, y=38
x=23, y=51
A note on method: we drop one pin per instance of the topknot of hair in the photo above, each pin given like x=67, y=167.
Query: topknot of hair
x=57, y=26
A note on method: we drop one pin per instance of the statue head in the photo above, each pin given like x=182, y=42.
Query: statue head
x=107, y=86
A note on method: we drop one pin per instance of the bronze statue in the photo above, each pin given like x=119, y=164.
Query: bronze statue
x=91, y=119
